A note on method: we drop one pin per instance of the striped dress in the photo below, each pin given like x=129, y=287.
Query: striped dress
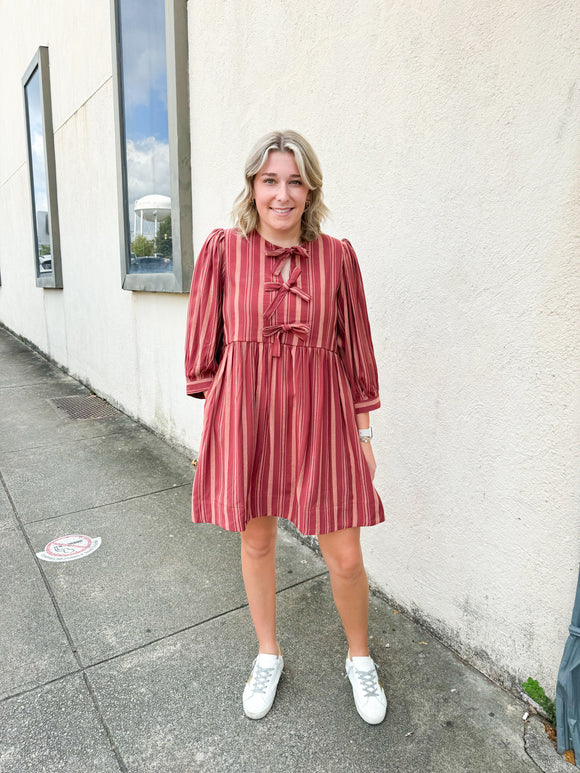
x=288, y=363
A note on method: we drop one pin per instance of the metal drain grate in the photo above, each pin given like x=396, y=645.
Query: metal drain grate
x=82, y=407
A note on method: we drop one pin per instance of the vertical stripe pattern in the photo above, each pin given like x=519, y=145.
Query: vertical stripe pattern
x=286, y=365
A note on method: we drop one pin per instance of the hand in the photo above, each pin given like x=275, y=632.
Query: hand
x=370, y=457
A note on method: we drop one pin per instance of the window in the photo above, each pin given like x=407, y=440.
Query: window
x=153, y=155
x=36, y=85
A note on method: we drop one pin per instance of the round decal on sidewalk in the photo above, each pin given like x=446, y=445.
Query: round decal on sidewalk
x=69, y=548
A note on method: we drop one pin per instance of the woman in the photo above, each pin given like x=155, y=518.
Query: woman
x=278, y=342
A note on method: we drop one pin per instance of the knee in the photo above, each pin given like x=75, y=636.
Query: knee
x=258, y=543
x=347, y=565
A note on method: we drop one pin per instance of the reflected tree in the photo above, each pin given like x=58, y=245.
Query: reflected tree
x=142, y=247
x=163, y=240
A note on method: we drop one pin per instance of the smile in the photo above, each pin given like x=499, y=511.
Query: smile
x=282, y=211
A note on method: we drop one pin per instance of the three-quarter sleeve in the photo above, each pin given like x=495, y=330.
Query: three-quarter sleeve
x=205, y=327
x=354, y=343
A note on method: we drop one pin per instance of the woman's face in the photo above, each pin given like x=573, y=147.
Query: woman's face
x=280, y=195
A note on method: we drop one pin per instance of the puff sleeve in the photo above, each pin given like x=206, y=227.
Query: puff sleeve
x=354, y=344
x=205, y=326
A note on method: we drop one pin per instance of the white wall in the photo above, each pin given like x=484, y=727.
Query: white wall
x=126, y=346
x=448, y=134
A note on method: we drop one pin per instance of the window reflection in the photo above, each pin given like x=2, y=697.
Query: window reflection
x=144, y=96
x=38, y=169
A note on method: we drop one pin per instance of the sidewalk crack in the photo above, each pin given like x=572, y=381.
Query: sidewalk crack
x=66, y=630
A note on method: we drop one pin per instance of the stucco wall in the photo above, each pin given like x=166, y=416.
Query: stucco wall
x=448, y=134
x=449, y=138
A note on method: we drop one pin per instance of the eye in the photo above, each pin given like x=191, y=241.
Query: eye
x=296, y=182
x=268, y=180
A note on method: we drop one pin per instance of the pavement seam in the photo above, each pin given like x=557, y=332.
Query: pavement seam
x=526, y=750
x=122, y=431
x=61, y=678
x=65, y=629
x=57, y=379
x=115, y=749
x=175, y=487
x=84, y=668
x=32, y=384
x=195, y=625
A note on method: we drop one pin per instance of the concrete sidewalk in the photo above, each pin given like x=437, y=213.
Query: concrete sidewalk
x=133, y=658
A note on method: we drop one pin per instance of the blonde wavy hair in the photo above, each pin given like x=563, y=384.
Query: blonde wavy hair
x=245, y=214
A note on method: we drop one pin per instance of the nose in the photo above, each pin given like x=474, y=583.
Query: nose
x=282, y=193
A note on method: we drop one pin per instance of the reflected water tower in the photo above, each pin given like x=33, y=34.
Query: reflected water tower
x=153, y=209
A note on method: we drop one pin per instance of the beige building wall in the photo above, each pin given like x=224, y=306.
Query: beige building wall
x=448, y=134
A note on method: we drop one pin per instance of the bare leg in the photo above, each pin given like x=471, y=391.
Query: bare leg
x=343, y=556
x=259, y=572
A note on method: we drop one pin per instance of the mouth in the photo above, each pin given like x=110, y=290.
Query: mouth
x=282, y=210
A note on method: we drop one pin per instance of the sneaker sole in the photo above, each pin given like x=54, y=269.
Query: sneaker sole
x=258, y=715
x=371, y=721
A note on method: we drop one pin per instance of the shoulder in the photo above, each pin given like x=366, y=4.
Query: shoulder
x=230, y=234
x=214, y=239
x=337, y=245
x=234, y=239
x=329, y=246
x=329, y=242
x=223, y=243
x=212, y=249
x=342, y=249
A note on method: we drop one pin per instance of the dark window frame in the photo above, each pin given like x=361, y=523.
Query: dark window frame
x=52, y=279
x=178, y=280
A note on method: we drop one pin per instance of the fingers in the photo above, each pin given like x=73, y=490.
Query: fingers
x=370, y=457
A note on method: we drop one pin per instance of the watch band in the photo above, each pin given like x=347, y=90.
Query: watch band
x=365, y=433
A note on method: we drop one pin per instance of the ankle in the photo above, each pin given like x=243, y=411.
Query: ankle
x=269, y=649
x=359, y=652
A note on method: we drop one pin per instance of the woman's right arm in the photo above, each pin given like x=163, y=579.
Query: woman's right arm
x=205, y=324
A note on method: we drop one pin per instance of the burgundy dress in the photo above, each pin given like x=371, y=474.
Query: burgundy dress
x=287, y=364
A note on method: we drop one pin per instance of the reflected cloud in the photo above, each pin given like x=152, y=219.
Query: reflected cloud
x=39, y=171
x=147, y=168
x=144, y=55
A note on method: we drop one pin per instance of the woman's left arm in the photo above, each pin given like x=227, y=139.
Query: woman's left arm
x=363, y=422
x=355, y=346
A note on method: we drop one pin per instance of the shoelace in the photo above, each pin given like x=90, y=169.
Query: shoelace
x=261, y=678
x=369, y=682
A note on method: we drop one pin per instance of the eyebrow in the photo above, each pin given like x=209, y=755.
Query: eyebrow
x=274, y=174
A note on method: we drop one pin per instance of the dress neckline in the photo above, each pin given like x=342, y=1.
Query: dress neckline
x=272, y=246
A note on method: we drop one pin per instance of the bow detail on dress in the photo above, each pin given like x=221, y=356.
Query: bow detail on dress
x=289, y=286
x=287, y=252
x=281, y=255
x=301, y=329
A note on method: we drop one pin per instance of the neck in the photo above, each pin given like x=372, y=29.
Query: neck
x=290, y=240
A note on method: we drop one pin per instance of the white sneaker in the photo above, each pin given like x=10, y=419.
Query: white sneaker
x=260, y=689
x=369, y=696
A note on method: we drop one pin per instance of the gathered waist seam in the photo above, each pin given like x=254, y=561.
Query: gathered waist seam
x=282, y=343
